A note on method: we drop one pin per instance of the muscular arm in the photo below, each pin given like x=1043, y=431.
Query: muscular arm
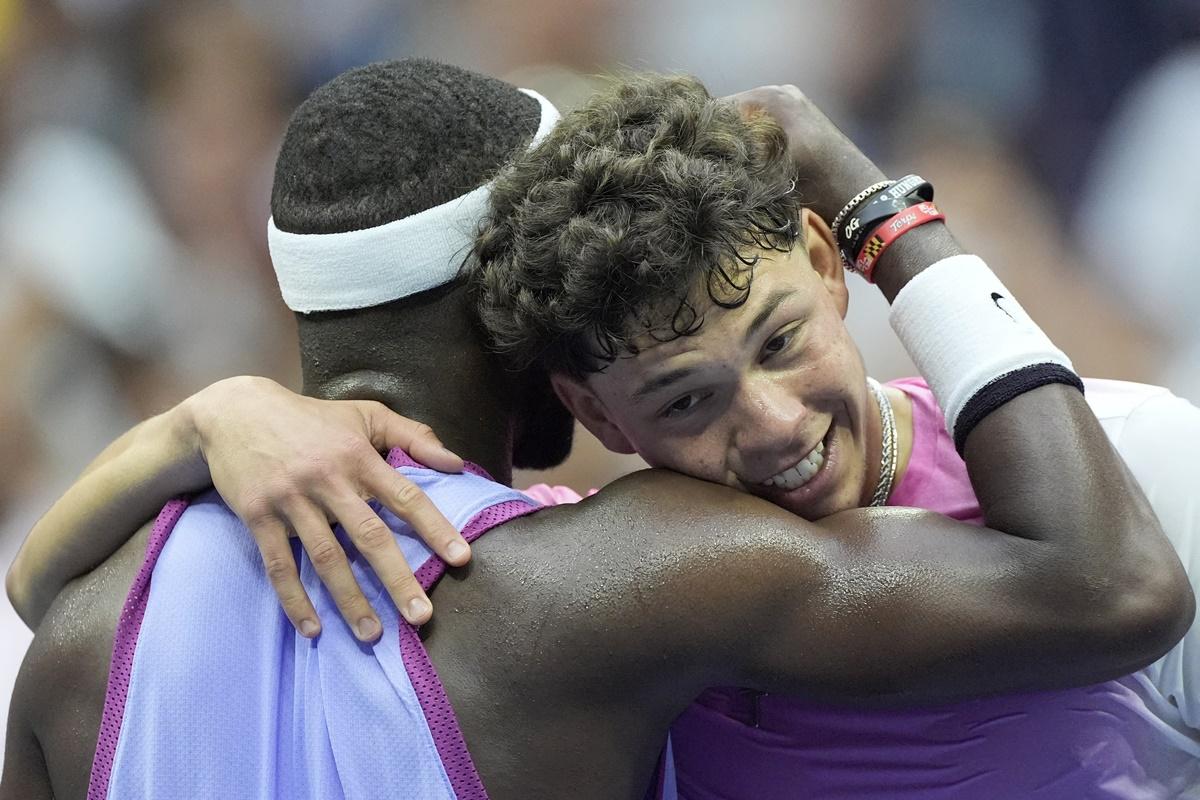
x=1072, y=583
x=25, y=776
x=59, y=694
x=1158, y=440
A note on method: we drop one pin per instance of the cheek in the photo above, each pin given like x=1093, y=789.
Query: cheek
x=840, y=361
x=700, y=455
x=829, y=365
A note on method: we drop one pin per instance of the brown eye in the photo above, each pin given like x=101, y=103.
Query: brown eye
x=777, y=343
x=684, y=404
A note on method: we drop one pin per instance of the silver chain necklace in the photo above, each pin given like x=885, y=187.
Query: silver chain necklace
x=889, y=456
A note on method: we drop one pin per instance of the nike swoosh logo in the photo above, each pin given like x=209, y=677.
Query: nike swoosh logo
x=996, y=298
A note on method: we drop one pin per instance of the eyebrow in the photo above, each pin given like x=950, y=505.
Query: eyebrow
x=773, y=301
x=674, y=376
x=661, y=382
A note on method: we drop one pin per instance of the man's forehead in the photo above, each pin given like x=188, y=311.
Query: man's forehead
x=640, y=376
x=657, y=327
x=633, y=378
x=663, y=338
x=657, y=344
x=660, y=333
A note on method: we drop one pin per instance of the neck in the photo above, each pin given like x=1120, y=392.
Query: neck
x=422, y=357
x=468, y=417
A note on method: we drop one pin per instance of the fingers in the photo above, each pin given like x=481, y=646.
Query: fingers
x=387, y=429
x=375, y=541
x=329, y=560
x=410, y=504
x=280, y=487
x=272, y=538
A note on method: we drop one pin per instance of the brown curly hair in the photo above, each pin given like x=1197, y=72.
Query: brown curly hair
x=606, y=230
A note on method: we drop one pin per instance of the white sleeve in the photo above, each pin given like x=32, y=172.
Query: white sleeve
x=1160, y=442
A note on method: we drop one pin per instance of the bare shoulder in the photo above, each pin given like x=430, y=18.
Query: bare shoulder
x=65, y=674
x=654, y=557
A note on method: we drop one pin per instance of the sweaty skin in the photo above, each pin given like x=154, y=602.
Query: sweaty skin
x=544, y=651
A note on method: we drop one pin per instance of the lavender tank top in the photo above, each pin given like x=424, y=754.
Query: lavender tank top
x=1092, y=743
x=212, y=694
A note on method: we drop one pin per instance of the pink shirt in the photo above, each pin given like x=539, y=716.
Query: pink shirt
x=936, y=478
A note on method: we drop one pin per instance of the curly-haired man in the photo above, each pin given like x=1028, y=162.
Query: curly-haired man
x=657, y=257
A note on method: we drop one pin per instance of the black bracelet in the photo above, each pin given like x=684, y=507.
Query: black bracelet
x=882, y=206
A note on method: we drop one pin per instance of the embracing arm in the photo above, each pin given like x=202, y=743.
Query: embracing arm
x=1081, y=586
x=283, y=463
x=123, y=487
x=894, y=606
x=1073, y=582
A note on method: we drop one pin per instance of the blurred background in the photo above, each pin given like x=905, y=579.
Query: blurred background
x=137, y=142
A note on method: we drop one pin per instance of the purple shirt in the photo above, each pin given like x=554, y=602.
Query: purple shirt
x=212, y=694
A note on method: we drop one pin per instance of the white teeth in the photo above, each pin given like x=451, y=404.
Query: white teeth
x=800, y=474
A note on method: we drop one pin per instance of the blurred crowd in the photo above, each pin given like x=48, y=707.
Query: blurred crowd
x=137, y=139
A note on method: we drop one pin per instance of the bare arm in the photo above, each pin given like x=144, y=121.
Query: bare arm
x=1072, y=583
x=1084, y=586
x=123, y=487
x=284, y=464
x=59, y=695
x=25, y=775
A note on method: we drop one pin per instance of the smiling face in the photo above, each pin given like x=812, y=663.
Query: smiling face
x=769, y=397
x=645, y=256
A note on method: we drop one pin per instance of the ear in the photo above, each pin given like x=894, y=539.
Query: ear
x=825, y=259
x=583, y=403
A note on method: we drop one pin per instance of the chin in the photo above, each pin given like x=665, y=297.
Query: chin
x=820, y=509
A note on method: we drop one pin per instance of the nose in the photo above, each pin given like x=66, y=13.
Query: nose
x=771, y=415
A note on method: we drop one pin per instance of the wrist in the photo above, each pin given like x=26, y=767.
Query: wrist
x=909, y=255
x=857, y=174
x=189, y=428
x=831, y=193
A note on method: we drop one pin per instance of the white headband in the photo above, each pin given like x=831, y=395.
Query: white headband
x=368, y=267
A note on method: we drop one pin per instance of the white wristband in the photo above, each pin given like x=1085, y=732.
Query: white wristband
x=972, y=342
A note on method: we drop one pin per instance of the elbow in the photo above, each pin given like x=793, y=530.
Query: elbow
x=1159, y=609
x=1148, y=609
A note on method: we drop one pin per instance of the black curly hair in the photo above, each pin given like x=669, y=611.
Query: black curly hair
x=385, y=141
x=641, y=209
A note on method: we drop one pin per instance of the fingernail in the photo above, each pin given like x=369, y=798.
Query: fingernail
x=457, y=550
x=367, y=628
x=449, y=455
x=309, y=629
x=418, y=608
